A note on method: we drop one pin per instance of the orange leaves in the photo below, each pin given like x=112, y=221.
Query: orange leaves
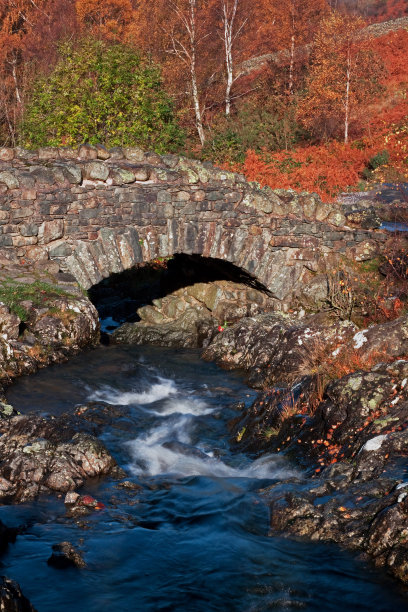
x=108, y=19
x=324, y=169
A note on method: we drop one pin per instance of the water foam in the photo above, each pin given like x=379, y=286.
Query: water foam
x=191, y=406
x=152, y=455
x=157, y=392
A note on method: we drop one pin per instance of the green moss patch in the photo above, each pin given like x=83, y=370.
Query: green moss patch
x=40, y=293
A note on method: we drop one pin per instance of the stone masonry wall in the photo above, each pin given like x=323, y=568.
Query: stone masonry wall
x=97, y=212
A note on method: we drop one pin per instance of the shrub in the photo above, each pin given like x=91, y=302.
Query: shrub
x=99, y=92
x=380, y=159
x=253, y=127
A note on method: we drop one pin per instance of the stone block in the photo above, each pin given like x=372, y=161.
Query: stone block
x=8, y=179
x=116, y=153
x=28, y=194
x=122, y=176
x=337, y=218
x=102, y=152
x=25, y=212
x=59, y=248
x=108, y=242
x=47, y=153
x=87, y=152
x=6, y=240
x=142, y=174
x=42, y=176
x=20, y=241
x=364, y=251
x=164, y=197
x=29, y=229
x=36, y=253
x=182, y=196
x=88, y=213
x=134, y=154
x=50, y=230
x=67, y=153
x=214, y=195
x=96, y=171
x=6, y=154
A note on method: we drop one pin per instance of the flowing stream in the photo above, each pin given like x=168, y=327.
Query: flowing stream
x=195, y=536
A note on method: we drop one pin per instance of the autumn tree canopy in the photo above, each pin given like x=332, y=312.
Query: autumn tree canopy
x=344, y=78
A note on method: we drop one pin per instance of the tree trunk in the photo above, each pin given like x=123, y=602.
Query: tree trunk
x=14, y=73
x=229, y=19
x=196, y=100
x=347, y=100
x=292, y=63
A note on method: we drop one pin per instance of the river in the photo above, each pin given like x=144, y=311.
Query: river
x=195, y=537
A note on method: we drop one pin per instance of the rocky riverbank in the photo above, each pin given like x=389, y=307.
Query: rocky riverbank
x=44, y=318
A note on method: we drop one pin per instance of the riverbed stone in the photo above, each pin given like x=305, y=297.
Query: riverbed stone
x=12, y=598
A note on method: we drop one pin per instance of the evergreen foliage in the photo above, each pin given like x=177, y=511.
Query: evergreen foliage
x=101, y=93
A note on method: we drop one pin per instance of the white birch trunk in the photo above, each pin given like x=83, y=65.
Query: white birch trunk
x=187, y=53
x=347, y=100
x=229, y=19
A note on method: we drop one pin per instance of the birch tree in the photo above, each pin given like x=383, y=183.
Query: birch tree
x=231, y=31
x=185, y=37
x=345, y=77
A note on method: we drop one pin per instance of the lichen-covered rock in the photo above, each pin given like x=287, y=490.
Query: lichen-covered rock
x=9, y=323
x=189, y=317
x=40, y=454
x=182, y=332
x=277, y=349
x=54, y=320
x=350, y=447
x=389, y=338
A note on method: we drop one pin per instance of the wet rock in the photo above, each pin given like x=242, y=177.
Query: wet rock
x=64, y=555
x=11, y=597
x=71, y=498
x=40, y=455
x=276, y=349
x=54, y=319
x=183, y=332
x=194, y=311
x=386, y=339
x=350, y=446
x=100, y=413
x=82, y=505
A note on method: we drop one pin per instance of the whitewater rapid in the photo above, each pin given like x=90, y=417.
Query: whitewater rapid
x=172, y=445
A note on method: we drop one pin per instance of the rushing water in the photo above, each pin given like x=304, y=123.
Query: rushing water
x=195, y=538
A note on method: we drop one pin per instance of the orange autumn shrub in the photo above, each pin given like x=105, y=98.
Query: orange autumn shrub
x=323, y=169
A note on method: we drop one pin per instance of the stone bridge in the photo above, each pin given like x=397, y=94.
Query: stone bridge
x=97, y=212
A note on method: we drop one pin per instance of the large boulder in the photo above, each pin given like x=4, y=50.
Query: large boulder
x=277, y=349
x=188, y=317
x=39, y=454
